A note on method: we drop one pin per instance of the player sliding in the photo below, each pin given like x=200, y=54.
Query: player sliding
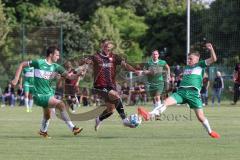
x=104, y=67
x=45, y=70
x=189, y=90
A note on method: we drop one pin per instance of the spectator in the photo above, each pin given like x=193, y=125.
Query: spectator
x=177, y=71
x=177, y=82
x=1, y=92
x=172, y=82
x=204, y=89
x=8, y=95
x=135, y=94
x=125, y=94
x=59, y=91
x=236, y=79
x=143, y=94
x=218, y=86
x=85, y=97
x=96, y=100
x=20, y=95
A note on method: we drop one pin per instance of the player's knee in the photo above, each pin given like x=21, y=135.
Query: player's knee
x=118, y=103
x=111, y=108
x=47, y=115
x=61, y=106
x=113, y=95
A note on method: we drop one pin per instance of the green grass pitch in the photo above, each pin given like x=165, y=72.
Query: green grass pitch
x=178, y=135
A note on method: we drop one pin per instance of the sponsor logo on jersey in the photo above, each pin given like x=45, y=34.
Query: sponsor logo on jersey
x=196, y=71
x=45, y=74
x=106, y=65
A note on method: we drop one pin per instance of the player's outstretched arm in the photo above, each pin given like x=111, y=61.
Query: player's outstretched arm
x=131, y=68
x=213, y=57
x=128, y=67
x=71, y=76
x=18, y=72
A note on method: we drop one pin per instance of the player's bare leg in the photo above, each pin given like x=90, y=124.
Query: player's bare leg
x=105, y=114
x=156, y=103
x=30, y=102
x=114, y=103
x=116, y=99
x=201, y=118
x=60, y=105
x=26, y=101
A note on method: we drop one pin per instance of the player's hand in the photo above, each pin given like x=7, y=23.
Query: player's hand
x=14, y=82
x=138, y=72
x=209, y=46
x=146, y=72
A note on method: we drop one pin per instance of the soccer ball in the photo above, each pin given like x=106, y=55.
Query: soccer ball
x=135, y=120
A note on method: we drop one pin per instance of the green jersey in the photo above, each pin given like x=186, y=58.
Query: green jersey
x=156, y=67
x=28, y=75
x=44, y=74
x=193, y=75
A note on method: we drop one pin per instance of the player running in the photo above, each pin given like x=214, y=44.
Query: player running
x=45, y=70
x=27, y=81
x=190, y=86
x=154, y=70
x=104, y=67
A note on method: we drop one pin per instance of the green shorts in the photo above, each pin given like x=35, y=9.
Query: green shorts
x=190, y=96
x=27, y=87
x=156, y=89
x=42, y=100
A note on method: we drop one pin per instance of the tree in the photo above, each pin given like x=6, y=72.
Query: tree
x=222, y=25
x=76, y=38
x=102, y=28
x=21, y=11
x=219, y=24
x=4, y=29
x=4, y=56
x=167, y=29
x=123, y=27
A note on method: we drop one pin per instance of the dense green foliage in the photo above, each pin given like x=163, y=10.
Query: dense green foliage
x=136, y=27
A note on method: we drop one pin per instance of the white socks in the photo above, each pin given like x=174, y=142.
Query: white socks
x=206, y=125
x=158, y=103
x=158, y=110
x=26, y=101
x=66, y=119
x=30, y=103
x=45, y=124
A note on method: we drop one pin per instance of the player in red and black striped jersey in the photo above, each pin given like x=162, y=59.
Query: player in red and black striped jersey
x=104, y=64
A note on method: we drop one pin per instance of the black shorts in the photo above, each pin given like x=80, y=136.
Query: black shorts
x=103, y=92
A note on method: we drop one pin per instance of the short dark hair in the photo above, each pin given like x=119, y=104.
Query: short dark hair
x=155, y=50
x=51, y=49
x=196, y=53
